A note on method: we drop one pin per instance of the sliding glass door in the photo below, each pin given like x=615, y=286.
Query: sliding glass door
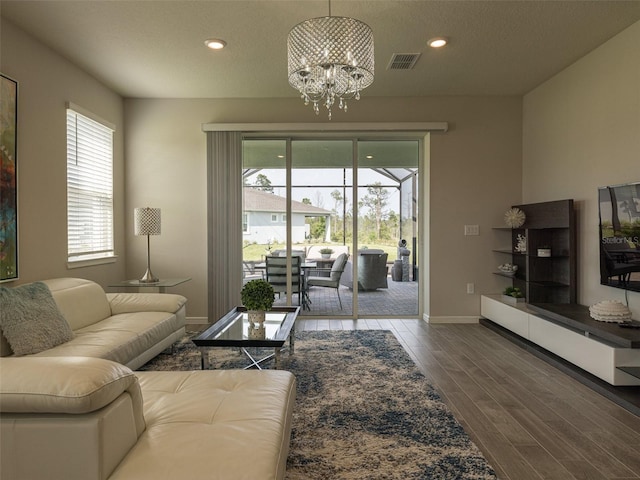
x=322, y=187
x=348, y=207
x=387, y=225
x=266, y=225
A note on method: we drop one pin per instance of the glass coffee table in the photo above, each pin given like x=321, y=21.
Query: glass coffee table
x=234, y=330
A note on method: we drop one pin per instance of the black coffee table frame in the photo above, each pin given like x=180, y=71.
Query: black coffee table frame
x=231, y=331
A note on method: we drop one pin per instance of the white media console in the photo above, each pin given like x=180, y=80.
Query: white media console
x=598, y=348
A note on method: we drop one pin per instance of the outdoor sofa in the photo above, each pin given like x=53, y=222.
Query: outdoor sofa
x=372, y=270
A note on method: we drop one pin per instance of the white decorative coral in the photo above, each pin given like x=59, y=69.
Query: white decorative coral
x=521, y=245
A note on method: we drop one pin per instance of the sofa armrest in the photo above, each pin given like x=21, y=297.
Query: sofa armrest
x=74, y=385
x=145, y=302
x=67, y=418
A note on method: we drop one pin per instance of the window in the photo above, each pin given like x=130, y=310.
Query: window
x=274, y=217
x=245, y=223
x=89, y=188
x=284, y=218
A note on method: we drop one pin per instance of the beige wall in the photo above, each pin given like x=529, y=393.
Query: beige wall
x=166, y=168
x=46, y=82
x=475, y=176
x=581, y=130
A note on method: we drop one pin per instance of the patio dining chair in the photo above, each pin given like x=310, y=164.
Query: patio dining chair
x=333, y=280
x=249, y=272
x=276, y=271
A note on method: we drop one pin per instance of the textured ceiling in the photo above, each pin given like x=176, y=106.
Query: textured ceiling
x=156, y=48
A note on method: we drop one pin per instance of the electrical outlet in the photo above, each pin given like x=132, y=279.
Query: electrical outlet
x=471, y=288
x=471, y=230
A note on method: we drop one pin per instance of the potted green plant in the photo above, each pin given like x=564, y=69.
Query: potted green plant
x=257, y=297
x=513, y=295
x=326, y=252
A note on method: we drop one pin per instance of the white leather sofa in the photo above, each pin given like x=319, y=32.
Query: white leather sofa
x=77, y=411
x=128, y=328
x=82, y=418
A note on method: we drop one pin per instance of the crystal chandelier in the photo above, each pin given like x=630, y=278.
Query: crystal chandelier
x=330, y=58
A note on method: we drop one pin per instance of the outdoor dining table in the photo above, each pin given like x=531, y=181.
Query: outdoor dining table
x=305, y=266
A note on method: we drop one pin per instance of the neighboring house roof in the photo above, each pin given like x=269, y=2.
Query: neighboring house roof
x=260, y=201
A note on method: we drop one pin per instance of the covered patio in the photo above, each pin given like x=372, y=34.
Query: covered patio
x=400, y=299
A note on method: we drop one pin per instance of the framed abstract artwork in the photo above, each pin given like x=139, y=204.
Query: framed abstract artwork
x=8, y=179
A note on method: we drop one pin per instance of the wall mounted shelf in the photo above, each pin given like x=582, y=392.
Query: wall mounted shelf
x=544, y=279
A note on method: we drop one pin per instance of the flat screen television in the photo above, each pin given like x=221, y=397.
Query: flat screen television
x=619, y=207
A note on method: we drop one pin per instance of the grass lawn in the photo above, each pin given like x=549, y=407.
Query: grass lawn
x=255, y=252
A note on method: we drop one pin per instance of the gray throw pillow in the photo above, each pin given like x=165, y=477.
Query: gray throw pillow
x=30, y=319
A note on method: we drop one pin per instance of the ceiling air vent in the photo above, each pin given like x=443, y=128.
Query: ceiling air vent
x=403, y=61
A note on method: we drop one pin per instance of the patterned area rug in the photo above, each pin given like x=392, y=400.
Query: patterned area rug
x=364, y=410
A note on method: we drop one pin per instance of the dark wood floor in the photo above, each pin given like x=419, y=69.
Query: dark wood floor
x=530, y=420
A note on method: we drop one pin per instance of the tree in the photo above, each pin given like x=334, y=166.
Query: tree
x=316, y=224
x=317, y=228
x=375, y=201
x=319, y=199
x=263, y=183
x=390, y=228
x=337, y=199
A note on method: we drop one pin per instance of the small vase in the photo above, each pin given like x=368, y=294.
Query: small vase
x=325, y=255
x=256, y=331
x=256, y=316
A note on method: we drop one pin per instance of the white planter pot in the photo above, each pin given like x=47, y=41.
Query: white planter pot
x=512, y=300
x=256, y=316
x=256, y=331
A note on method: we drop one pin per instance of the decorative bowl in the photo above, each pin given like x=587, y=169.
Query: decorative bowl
x=508, y=269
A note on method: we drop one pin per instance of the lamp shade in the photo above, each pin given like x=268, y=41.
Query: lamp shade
x=147, y=221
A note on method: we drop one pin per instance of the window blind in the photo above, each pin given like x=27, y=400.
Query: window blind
x=89, y=188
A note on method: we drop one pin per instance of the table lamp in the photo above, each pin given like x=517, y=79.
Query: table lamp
x=147, y=222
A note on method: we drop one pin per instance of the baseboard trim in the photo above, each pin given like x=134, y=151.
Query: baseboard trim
x=197, y=320
x=461, y=320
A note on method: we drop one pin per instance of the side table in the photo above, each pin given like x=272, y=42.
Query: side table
x=155, y=287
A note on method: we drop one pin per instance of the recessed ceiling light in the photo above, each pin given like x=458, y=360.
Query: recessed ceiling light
x=280, y=156
x=437, y=42
x=215, y=43
x=369, y=156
